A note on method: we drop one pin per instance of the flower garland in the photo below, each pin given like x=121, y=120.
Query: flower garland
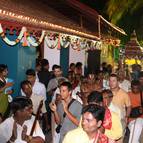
x=29, y=41
x=9, y=42
x=64, y=41
x=51, y=43
x=83, y=44
x=33, y=42
x=52, y=40
x=75, y=44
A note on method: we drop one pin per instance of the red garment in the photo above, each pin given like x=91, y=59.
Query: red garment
x=102, y=138
x=107, y=123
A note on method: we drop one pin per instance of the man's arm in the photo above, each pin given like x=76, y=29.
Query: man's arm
x=128, y=111
x=69, y=114
x=37, y=137
x=54, y=109
x=72, y=117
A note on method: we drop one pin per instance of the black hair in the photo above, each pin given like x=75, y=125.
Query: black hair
x=19, y=103
x=78, y=64
x=25, y=82
x=97, y=111
x=114, y=75
x=135, y=83
x=95, y=96
x=67, y=84
x=72, y=64
x=56, y=67
x=31, y=72
x=108, y=91
x=3, y=67
x=53, y=67
x=44, y=62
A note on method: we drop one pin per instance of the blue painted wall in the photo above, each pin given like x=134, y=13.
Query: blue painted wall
x=64, y=60
x=18, y=59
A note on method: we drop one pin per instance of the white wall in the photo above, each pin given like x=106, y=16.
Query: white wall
x=52, y=55
x=77, y=56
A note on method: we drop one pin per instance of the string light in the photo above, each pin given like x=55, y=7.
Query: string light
x=44, y=23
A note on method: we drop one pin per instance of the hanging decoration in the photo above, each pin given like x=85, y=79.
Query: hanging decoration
x=64, y=41
x=83, y=44
x=24, y=40
x=9, y=42
x=24, y=37
x=104, y=51
x=51, y=40
x=75, y=44
x=112, y=42
x=29, y=40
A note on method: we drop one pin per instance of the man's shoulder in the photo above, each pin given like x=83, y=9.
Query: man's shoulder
x=78, y=132
x=39, y=84
x=7, y=122
x=76, y=136
x=37, y=97
x=123, y=92
x=76, y=103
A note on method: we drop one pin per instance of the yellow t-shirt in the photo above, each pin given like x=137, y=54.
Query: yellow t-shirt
x=122, y=100
x=116, y=130
x=76, y=136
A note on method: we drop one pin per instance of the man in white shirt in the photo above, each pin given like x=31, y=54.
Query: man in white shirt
x=37, y=87
x=27, y=89
x=17, y=128
x=123, y=82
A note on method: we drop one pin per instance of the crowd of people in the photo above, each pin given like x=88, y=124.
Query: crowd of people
x=94, y=108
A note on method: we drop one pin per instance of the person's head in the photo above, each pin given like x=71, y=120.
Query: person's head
x=3, y=70
x=95, y=97
x=141, y=78
x=107, y=97
x=85, y=87
x=57, y=71
x=61, y=80
x=26, y=88
x=135, y=86
x=72, y=67
x=78, y=65
x=92, y=118
x=121, y=75
x=113, y=81
x=109, y=68
x=71, y=76
x=45, y=64
x=22, y=108
x=78, y=68
x=31, y=75
x=65, y=90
